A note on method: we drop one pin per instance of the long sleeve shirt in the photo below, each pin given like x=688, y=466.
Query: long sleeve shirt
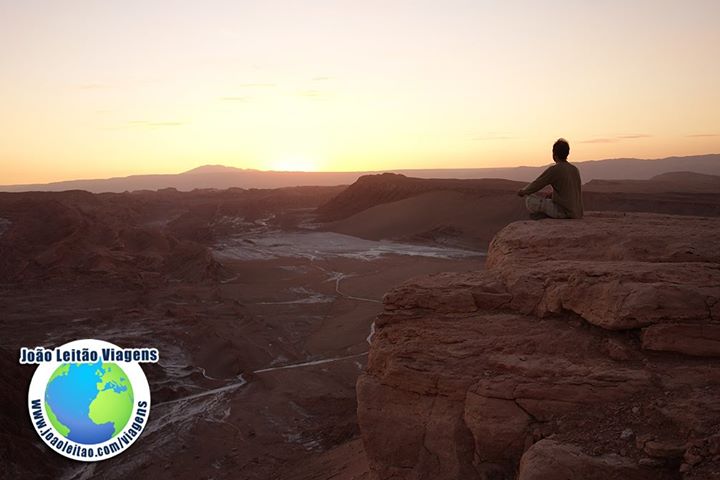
x=567, y=187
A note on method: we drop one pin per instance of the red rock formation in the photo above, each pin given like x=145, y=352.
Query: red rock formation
x=136, y=237
x=20, y=456
x=583, y=351
x=371, y=190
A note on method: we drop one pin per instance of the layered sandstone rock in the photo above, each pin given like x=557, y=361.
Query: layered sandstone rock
x=587, y=349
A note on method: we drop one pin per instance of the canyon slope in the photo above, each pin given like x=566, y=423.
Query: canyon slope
x=586, y=349
x=469, y=212
x=264, y=313
x=261, y=320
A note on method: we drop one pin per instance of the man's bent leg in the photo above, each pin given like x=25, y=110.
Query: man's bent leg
x=538, y=204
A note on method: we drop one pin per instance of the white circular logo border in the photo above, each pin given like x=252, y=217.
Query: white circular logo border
x=136, y=377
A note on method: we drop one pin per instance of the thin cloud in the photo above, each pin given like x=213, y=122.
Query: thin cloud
x=703, y=135
x=310, y=93
x=630, y=137
x=616, y=138
x=321, y=79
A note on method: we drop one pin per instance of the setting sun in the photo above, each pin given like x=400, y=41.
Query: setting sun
x=360, y=240
x=294, y=163
x=350, y=86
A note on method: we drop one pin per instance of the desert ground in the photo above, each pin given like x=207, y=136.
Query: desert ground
x=261, y=302
x=258, y=361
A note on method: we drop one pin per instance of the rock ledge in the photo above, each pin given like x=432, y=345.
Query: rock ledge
x=587, y=349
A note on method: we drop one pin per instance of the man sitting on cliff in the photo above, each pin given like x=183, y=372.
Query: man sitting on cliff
x=566, y=199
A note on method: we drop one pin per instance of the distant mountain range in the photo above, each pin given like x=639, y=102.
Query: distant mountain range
x=221, y=177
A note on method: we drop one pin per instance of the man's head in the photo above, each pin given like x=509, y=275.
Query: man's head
x=561, y=150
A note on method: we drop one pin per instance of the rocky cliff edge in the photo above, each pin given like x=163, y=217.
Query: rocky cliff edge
x=586, y=350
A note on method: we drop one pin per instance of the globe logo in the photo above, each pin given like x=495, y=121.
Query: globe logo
x=89, y=400
x=89, y=403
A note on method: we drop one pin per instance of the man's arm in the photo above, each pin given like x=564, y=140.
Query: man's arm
x=541, y=182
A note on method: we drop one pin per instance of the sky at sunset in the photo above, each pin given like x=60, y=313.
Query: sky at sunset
x=93, y=89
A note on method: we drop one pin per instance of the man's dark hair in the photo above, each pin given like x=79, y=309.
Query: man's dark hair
x=561, y=149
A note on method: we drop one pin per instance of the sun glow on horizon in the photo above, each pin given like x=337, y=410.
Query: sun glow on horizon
x=103, y=89
x=294, y=163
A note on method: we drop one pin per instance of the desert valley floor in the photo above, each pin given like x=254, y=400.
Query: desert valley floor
x=257, y=372
x=261, y=303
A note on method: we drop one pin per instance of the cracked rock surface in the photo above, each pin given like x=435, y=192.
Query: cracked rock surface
x=586, y=349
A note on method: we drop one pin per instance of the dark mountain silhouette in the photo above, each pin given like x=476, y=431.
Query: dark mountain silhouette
x=221, y=177
x=665, y=182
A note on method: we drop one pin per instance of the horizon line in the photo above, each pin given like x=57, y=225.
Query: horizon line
x=388, y=170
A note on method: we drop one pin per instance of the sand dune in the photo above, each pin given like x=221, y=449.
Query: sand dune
x=372, y=190
x=441, y=217
x=469, y=213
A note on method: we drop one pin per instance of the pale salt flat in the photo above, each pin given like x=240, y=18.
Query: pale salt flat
x=306, y=296
x=4, y=225
x=319, y=245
